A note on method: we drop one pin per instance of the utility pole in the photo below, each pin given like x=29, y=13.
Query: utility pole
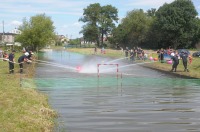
x=3, y=33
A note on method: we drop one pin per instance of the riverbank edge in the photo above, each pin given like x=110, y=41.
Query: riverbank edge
x=175, y=74
x=23, y=108
x=154, y=67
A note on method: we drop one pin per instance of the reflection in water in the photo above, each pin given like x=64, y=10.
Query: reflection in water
x=142, y=103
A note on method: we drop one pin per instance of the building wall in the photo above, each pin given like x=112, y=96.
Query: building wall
x=7, y=37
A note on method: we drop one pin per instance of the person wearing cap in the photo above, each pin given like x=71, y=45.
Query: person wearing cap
x=21, y=60
x=175, y=60
x=30, y=55
x=11, y=61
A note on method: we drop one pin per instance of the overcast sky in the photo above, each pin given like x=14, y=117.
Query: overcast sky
x=65, y=13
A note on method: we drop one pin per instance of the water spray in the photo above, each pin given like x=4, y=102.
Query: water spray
x=130, y=65
x=44, y=63
x=117, y=60
x=54, y=64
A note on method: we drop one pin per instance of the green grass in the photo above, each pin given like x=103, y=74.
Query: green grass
x=21, y=108
x=194, y=67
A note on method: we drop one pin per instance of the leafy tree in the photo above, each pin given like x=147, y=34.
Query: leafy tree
x=99, y=21
x=133, y=29
x=119, y=36
x=75, y=42
x=196, y=42
x=37, y=32
x=176, y=24
x=151, y=12
x=90, y=33
x=108, y=16
x=90, y=17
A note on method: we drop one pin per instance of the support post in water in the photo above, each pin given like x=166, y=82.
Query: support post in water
x=98, y=65
x=20, y=80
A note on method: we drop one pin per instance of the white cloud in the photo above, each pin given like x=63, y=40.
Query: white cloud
x=65, y=26
x=77, y=24
x=16, y=23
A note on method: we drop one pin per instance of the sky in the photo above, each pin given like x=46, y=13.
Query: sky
x=66, y=13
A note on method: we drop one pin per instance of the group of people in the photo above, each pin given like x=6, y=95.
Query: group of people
x=25, y=57
x=139, y=54
x=175, y=57
x=135, y=53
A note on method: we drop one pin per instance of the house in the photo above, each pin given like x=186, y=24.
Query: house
x=63, y=38
x=9, y=38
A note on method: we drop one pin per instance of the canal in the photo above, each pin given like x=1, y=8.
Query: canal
x=99, y=94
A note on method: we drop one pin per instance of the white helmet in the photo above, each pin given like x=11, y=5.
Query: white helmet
x=26, y=54
x=172, y=54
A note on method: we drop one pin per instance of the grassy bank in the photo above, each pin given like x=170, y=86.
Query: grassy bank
x=194, y=67
x=21, y=108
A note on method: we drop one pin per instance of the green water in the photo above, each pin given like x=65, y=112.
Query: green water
x=142, y=100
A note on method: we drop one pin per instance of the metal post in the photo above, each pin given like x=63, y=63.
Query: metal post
x=20, y=80
x=98, y=70
x=3, y=33
x=117, y=70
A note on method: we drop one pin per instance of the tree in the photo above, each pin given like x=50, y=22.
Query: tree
x=99, y=21
x=90, y=33
x=37, y=32
x=133, y=29
x=151, y=12
x=176, y=23
x=196, y=42
x=108, y=16
x=90, y=17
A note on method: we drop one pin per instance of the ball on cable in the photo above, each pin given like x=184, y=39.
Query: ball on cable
x=78, y=68
x=169, y=62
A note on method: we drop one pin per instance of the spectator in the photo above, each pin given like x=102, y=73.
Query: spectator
x=126, y=52
x=184, y=57
x=175, y=60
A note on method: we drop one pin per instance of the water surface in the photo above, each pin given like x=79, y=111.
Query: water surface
x=138, y=100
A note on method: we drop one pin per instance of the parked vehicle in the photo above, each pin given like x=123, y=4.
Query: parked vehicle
x=196, y=54
x=183, y=50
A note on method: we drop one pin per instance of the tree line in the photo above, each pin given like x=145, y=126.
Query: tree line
x=174, y=25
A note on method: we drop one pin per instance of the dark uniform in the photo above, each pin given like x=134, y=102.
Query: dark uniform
x=126, y=52
x=132, y=57
x=175, y=62
x=184, y=57
x=162, y=56
x=21, y=61
x=11, y=61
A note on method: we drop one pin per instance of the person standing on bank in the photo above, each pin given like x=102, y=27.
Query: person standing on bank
x=132, y=57
x=11, y=59
x=184, y=57
x=22, y=59
x=162, y=56
x=126, y=52
x=175, y=59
